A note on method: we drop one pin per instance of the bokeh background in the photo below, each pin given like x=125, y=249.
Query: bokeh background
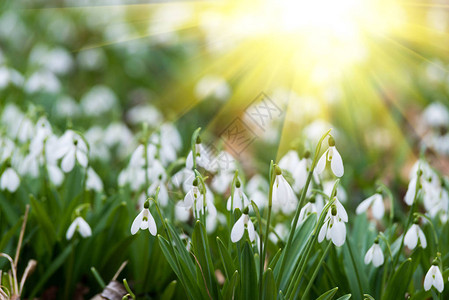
x=374, y=71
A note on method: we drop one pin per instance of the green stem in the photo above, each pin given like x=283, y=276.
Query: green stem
x=409, y=221
x=301, y=201
x=355, y=268
x=267, y=230
x=315, y=273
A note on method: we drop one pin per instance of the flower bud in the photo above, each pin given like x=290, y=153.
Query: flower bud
x=146, y=204
x=277, y=170
x=331, y=141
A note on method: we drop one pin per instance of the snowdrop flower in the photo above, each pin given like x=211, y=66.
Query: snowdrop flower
x=374, y=255
x=98, y=100
x=434, y=278
x=193, y=199
x=9, y=180
x=244, y=222
x=93, y=182
x=289, y=161
x=331, y=155
x=257, y=188
x=42, y=80
x=78, y=225
x=239, y=199
x=212, y=86
x=163, y=192
x=307, y=210
x=71, y=147
x=202, y=159
x=413, y=235
x=144, y=220
x=282, y=191
x=221, y=181
x=410, y=195
x=436, y=115
x=376, y=203
x=334, y=227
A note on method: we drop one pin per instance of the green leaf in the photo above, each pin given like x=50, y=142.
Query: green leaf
x=328, y=295
x=400, y=281
x=230, y=286
x=56, y=264
x=296, y=249
x=368, y=297
x=204, y=259
x=44, y=220
x=226, y=260
x=345, y=297
x=249, y=287
x=169, y=290
x=269, y=285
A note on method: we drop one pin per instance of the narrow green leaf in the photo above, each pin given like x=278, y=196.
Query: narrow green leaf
x=230, y=286
x=328, y=295
x=269, y=286
x=169, y=291
x=248, y=285
x=226, y=260
x=345, y=297
x=400, y=281
x=56, y=264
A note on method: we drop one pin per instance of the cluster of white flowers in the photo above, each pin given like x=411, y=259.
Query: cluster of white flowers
x=435, y=127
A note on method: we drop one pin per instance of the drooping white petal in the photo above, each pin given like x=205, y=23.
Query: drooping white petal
x=151, y=224
x=341, y=211
x=137, y=222
x=411, y=237
x=338, y=233
x=369, y=255
x=378, y=208
x=378, y=256
x=9, y=180
x=365, y=204
x=411, y=191
x=438, y=282
x=83, y=227
x=422, y=237
x=238, y=230
x=323, y=232
x=251, y=231
x=55, y=174
x=71, y=230
x=337, y=163
x=434, y=278
x=189, y=161
x=81, y=157
x=321, y=163
x=68, y=162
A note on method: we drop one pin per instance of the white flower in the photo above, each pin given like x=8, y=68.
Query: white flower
x=198, y=201
x=334, y=227
x=307, y=209
x=93, y=181
x=79, y=225
x=163, y=192
x=71, y=147
x=239, y=199
x=203, y=158
x=411, y=191
x=289, y=161
x=282, y=191
x=413, y=235
x=144, y=220
x=9, y=180
x=376, y=203
x=239, y=228
x=221, y=181
x=98, y=100
x=434, y=278
x=331, y=155
x=375, y=255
